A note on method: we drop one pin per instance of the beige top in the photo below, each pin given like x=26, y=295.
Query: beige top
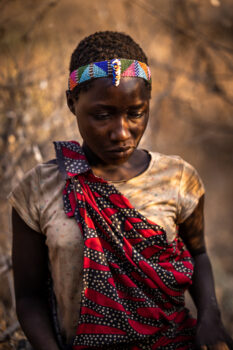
x=166, y=193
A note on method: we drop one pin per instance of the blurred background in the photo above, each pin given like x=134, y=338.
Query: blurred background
x=190, y=50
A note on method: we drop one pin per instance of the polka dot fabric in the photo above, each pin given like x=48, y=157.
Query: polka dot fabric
x=134, y=280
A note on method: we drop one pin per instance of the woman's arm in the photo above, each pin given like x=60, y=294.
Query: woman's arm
x=210, y=330
x=30, y=266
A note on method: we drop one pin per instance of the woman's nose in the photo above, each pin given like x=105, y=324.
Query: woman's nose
x=120, y=130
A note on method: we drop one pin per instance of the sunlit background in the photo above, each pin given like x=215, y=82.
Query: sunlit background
x=190, y=50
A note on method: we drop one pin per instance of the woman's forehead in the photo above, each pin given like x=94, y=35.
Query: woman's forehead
x=129, y=90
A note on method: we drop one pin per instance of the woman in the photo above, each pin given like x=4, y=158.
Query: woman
x=102, y=220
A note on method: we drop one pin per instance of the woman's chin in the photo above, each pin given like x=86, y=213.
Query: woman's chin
x=118, y=157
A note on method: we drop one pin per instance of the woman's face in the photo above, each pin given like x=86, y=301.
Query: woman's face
x=111, y=119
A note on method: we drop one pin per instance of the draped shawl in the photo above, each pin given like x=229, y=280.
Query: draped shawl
x=133, y=279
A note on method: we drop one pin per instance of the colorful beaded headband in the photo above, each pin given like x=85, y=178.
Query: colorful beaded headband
x=116, y=67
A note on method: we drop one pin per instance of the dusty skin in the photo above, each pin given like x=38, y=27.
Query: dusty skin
x=196, y=58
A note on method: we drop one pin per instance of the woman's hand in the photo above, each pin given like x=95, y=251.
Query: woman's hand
x=211, y=333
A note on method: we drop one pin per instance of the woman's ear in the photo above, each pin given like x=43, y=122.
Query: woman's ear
x=70, y=101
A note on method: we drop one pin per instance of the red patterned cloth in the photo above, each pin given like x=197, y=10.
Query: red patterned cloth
x=133, y=279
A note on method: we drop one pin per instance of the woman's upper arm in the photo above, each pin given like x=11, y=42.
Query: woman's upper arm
x=29, y=256
x=192, y=229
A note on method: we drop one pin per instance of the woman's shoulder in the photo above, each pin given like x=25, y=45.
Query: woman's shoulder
x=172, y=163
x=36, y=177
x=169, y=159
x=41, y=171
x=46, y=168
x=37, y=186
x=176, y=174
x=176, y=170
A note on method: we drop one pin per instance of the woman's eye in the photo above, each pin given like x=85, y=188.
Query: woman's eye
x=136, y=115
x=102, y=116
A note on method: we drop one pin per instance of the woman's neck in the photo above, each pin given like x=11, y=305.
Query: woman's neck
x=137, y=163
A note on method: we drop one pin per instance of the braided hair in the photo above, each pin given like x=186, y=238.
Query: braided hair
x=102, y=46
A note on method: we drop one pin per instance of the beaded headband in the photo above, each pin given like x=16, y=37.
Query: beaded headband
x=116, y=68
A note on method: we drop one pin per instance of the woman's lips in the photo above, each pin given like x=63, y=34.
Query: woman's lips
x=120, y=151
